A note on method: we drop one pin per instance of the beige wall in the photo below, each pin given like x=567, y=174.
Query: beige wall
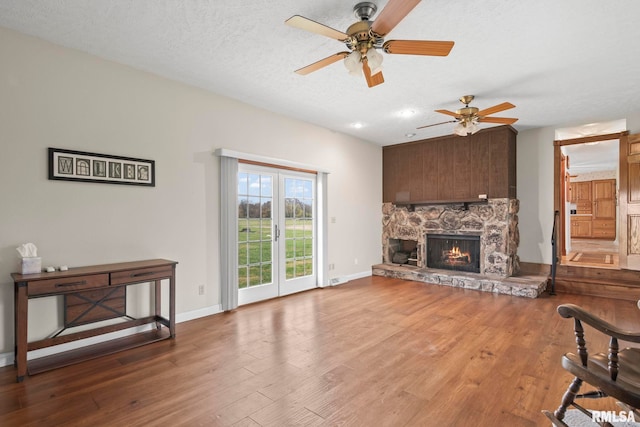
x=55, y=97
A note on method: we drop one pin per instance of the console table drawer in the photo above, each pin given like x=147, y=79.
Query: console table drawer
x=141, y=275
x=68, y=284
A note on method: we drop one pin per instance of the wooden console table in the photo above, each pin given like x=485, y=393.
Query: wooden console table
x=91, y=294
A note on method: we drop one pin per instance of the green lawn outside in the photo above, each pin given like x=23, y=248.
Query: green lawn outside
x=254, y=249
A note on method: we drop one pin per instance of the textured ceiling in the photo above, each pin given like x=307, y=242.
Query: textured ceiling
x=559, y=62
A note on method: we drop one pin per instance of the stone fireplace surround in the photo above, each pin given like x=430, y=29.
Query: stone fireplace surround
x=494, y=220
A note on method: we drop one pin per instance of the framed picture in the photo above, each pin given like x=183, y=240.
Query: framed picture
x=69, y=165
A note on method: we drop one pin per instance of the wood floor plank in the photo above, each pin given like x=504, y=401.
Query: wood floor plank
x=374, y=351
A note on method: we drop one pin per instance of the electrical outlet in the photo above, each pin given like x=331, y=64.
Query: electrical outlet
x=201, y=290
x=332, y=266
x=355, y=261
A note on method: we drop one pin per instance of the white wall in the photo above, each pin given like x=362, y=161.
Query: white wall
x=55, y=97
x=535, y=186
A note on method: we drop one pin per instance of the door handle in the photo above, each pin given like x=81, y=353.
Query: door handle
x=276, y=233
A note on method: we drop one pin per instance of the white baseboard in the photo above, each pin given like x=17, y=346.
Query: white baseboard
x=335, y=281
x=196, y=314
x=6, y=359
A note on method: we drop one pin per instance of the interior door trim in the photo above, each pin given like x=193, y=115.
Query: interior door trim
x=558, y=202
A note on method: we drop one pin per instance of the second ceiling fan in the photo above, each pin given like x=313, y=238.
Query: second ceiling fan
x=469, y=117
x=365, y=37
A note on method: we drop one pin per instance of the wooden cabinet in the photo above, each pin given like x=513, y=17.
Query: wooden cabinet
x=597, y=201
x=584, y=207
x=451, y=168
x=604, y=189
x=604, y=199
x=91, y=294
x=581, y=226
x=571, y=197
x=603, y=229
x=582, y=191
x=604, y=208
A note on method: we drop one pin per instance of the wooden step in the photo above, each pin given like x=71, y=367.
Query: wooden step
x=599, y=282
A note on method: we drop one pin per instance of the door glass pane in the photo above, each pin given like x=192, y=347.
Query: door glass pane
x=242, y=277
x=299, y=209
x=255, y=222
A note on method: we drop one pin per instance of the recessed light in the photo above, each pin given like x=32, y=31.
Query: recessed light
x=409, y=135
x=357, y=125
x=407, y=113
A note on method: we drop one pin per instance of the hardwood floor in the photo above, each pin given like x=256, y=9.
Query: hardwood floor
x=375, y=351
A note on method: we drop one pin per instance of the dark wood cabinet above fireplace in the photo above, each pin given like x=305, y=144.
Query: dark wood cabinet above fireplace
x=451, y=168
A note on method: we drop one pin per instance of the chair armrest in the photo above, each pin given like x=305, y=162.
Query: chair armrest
x=572, y=310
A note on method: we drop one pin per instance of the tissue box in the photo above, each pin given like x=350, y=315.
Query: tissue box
x=31, y=265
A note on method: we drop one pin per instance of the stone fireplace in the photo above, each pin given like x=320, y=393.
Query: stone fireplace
x=494, y=224
x=407, y=239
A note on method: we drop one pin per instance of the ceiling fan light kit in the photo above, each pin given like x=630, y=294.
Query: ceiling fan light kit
x=353, y=63
x=464, y=128
x=365, y=37
x=374, y=58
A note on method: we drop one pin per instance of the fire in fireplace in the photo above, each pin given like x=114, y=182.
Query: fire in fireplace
x=453, y=252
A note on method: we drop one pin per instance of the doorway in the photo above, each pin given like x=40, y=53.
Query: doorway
x=276, y=232
x=587, y=172
x=592, y=171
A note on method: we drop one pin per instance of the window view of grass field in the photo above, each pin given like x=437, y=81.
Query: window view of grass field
x=256, y=242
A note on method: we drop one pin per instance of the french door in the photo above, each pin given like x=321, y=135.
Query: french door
x=276, y=232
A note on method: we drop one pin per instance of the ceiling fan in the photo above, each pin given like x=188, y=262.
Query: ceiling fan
x=469, y=117
x=364, y=38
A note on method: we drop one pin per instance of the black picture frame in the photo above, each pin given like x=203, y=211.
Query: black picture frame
x=71, y=165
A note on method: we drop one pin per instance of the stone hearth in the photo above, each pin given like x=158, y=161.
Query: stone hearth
x=521, y=286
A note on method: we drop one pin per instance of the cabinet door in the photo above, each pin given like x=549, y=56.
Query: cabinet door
x=584, y=229
x=604, y=202
x=581, y=227
x=604, y=209
x=583, y=191
x=604, y=189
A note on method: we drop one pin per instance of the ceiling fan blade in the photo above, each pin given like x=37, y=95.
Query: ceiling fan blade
x=391, y=15
x=322, y=63
x=418, y=47
x=307, y=24
x=495, y=109
x=449, y=113
x=501, y=120
x=372, y=80
x=437, y=124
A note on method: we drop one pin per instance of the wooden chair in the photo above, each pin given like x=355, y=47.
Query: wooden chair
x=614, y=374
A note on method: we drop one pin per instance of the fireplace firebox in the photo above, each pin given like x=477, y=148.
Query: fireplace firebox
x=453, y=252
